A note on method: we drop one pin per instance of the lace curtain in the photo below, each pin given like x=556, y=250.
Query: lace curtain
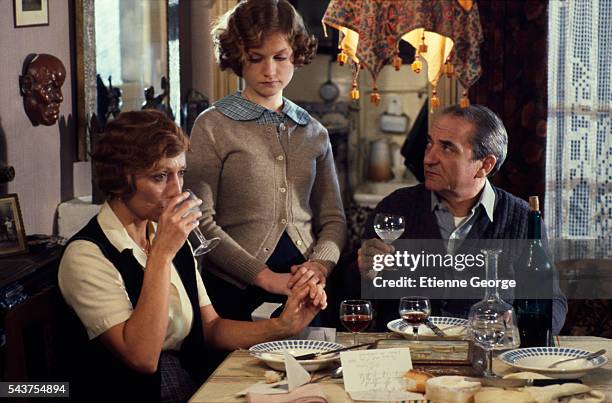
x=579, y=142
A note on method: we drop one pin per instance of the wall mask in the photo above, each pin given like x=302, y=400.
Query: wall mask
x=40, y=85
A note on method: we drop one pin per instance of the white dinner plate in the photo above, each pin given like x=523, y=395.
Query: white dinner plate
x=272, y=353
x=457, y=327
x=537, y=359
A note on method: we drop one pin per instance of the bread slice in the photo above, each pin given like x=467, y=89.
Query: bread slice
x=416, y=380
x=273, y=376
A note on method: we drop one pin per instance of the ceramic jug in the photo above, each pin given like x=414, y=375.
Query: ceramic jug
x=379, y=167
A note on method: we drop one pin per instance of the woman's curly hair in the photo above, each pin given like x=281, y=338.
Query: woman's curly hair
x=246, y=25
x=134, y=142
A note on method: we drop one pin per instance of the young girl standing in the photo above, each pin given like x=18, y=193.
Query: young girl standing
x=265, y=166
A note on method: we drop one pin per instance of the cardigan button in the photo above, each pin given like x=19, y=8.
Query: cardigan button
x=299, y=243
x=280, y=158
x=283, y=221
x=282, y=190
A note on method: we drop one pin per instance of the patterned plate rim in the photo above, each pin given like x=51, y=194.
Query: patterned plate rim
x=510, y=357
x=437, y=320
x=279, y=345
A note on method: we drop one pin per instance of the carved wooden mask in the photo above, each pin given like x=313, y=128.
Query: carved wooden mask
x=40, y=85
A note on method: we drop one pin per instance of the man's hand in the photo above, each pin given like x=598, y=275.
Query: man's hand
x=302, y=306
x=307, y=271
x=365, y=255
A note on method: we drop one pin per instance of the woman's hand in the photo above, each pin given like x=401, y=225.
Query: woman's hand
x=302, y=306
x=175, y=223
x=307, y=271
x=275, y=283
x=284, y=283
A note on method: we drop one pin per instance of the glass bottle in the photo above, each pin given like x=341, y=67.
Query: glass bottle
x=534, y=304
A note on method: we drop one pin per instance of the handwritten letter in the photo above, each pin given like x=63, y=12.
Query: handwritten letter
x=376, y=373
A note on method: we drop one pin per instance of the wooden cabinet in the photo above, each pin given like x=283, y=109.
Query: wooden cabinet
x=29, y=303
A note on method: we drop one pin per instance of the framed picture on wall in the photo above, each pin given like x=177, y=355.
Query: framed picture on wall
x=29, y=13
x=12, y=233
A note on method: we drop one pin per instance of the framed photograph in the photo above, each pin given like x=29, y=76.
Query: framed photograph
x=12, y=233
x=29, y=13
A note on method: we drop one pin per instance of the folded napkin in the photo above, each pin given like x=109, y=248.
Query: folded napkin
x=264, y=311
x=310, y=393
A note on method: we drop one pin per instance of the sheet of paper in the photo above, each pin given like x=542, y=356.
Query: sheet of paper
x=264, y=311
x=296, y=374
x=377, y=375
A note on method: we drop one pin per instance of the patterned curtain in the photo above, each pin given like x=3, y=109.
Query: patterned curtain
x=579, y=141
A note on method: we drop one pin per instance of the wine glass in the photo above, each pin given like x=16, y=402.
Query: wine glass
x=389, y=227
x=206, y=245
x=493, y=331
x=415, y=311
x=355, y=315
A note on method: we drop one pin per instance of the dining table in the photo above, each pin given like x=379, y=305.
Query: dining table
x=241, y=370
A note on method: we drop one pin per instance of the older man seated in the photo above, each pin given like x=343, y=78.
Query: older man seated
x=465, y=147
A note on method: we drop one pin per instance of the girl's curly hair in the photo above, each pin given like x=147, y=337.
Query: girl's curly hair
x=246, y=25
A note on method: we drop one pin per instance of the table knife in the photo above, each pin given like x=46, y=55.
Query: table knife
x=434, y=328
x=517, y=383
x=312, y=356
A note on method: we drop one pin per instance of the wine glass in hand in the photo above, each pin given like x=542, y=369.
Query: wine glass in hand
x=355, y=315
x=414, y=311
x=389, y=227
x=206, y=245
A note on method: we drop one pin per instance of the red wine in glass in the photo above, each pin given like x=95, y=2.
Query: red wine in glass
x=414, y=318
x=355, y=315
x=356, y=323
x=414, y=311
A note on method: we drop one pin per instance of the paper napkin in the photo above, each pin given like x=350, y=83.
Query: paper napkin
x=296, y=374
x=264, y=311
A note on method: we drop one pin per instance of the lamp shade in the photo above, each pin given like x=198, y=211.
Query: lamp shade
x=442, y=32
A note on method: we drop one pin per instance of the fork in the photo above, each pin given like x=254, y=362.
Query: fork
x=586, y=357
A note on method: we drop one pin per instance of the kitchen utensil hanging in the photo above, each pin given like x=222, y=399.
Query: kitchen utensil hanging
x=329, y=91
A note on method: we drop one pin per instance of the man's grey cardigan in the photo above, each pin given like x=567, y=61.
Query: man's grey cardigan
x=509, y=222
